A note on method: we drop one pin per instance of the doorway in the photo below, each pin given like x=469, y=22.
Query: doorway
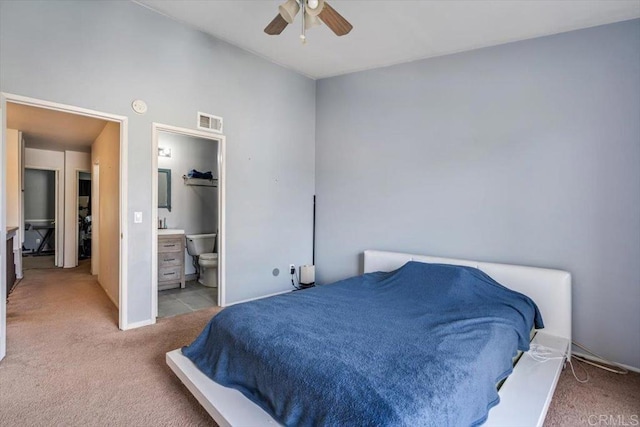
x=83, y=231
x=188, y=168
x=43, y=117
x=40, y=203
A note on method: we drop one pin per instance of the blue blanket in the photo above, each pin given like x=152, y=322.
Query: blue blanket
x=422, y=345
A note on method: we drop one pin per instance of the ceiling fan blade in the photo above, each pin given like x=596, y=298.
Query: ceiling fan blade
x=276, y=26
x=334, y=20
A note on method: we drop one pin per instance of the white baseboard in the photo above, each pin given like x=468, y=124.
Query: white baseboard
x=257, y=298
x=138, y=324
x=598, y=360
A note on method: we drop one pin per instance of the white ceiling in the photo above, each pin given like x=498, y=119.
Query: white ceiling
x=53, y=130
x=390, y=32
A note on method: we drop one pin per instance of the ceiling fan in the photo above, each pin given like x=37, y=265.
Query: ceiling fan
x=313, y=11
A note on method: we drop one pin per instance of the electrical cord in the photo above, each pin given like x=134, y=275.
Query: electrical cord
x=541, y=353
x=298, y=288
x=609, y=366
x=573, y=371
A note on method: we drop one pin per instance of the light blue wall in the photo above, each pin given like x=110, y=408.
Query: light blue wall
x=104, y=54
x=524, y=153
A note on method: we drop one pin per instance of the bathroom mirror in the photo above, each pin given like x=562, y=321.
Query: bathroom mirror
x=164, y=188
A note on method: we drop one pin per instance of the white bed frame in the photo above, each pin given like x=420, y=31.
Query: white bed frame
x=525, y=395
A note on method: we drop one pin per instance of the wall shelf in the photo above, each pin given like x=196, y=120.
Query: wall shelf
x=199, y=182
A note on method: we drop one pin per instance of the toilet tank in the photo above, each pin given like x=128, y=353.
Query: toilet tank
x=200, y=243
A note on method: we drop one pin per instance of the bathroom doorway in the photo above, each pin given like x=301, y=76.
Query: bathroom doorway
x=188, y=223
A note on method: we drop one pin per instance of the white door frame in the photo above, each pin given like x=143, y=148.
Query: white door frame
x=58, y=231
x=123, y=122
x=156, y=128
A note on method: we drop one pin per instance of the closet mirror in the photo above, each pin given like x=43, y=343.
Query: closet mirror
x=164, y=188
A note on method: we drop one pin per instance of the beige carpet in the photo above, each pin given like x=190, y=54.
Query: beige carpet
x=607, y=399
x=37, y=262
x=68, y=364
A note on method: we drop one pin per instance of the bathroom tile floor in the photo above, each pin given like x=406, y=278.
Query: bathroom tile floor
x=192, y=298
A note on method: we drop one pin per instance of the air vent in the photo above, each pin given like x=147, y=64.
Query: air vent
x=209, y=122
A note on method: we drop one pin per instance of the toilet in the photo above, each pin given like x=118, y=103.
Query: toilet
x=202, y=246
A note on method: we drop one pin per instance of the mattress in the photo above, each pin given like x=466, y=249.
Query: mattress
x=423, y=345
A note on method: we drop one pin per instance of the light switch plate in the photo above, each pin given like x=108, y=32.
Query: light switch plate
x=137, y=217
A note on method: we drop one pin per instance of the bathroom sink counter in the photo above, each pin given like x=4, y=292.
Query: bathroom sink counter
x=169, y=231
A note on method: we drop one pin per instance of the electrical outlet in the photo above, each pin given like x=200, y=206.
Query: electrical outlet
x=292, y=269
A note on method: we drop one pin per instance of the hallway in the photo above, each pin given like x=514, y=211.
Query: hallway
x=67, y=362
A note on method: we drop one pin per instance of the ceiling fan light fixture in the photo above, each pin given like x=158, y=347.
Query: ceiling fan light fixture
x=311, y=21
x=288, y=10
x=314, y=11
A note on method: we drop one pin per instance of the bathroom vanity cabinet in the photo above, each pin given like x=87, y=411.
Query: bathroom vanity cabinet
x=170, y=260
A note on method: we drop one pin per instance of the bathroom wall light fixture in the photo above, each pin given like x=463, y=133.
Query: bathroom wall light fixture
x=164, y=152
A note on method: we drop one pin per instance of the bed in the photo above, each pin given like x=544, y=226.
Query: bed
x=524, y=395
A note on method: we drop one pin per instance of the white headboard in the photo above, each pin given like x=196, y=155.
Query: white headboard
x=550, y=289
